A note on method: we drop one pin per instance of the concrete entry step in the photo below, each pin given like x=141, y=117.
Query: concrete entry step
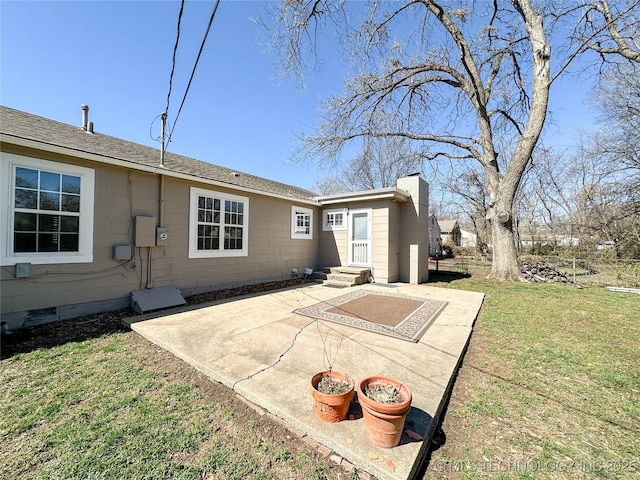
x=347, y=276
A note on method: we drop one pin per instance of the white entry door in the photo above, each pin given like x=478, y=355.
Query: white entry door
x=360, y=238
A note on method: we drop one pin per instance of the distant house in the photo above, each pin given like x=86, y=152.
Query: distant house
x=468, y=239
x=87, y=219
x=607, y=245
x=435, y=239
x=542, y=239
x=450, y=232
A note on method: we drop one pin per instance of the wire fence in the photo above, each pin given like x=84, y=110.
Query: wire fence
x=584, y=271
x=597, y=271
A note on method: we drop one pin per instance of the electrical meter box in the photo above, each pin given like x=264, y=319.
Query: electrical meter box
x=145, y=231
x=162, y=236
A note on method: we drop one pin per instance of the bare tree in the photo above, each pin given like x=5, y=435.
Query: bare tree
x=609, y=30
x=544, y=201
x=469, y=200
x=581, y=194
x=382, y=161
x=618, y=99
x=616, y=148
x=330, y=184
x=452, y=78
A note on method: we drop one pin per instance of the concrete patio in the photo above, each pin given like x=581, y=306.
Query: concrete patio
x=254, y=342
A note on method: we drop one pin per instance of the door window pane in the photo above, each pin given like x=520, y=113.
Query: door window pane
x=360, y=226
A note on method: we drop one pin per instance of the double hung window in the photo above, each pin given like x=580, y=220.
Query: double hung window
x=50, y=217
x=218, y=224
x=301, y=223
x=334, y=220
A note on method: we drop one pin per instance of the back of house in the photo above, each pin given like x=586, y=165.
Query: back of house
x=89, y=218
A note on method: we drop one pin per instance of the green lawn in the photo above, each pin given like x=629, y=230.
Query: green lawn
x=110, y=408
x=550, y=386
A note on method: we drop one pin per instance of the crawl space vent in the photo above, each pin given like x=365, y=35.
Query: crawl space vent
x=156, y=298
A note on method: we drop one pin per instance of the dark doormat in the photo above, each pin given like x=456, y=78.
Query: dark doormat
x=395, y=315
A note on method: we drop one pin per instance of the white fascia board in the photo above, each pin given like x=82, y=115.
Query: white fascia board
x=48, y=147
x=391, y=193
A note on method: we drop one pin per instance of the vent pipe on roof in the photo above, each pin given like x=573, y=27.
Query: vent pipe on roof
x=85, y=116
x=87, y=126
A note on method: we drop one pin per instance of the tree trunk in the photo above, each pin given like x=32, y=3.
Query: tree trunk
x=502, y=188
x=505, y=265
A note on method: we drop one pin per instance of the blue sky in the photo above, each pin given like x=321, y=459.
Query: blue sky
x=115, y=56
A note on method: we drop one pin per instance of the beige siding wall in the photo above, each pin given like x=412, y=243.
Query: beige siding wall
x=122, y=194
x=394, y=241
x=414, y=225
x=334, y=246
x=380, y=242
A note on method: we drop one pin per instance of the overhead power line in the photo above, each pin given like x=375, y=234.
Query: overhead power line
x=195, y=65
x=173, y=62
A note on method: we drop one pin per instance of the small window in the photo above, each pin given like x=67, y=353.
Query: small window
x=218, y=224
x=51, y=211
x=301, y=222
x=334, y=220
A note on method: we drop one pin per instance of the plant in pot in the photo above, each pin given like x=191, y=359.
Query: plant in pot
x=331, y=391
x=385, y=404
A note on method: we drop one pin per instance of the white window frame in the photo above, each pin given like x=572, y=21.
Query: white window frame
x=329, y=225
x=193, y=225
x=296, y=212
x=9, y=163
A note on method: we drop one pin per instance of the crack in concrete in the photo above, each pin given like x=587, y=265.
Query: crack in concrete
x=233, y=387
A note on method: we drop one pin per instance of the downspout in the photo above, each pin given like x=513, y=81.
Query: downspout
x=149, y=282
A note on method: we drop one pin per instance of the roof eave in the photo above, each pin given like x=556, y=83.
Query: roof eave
x=391, y=193
x=52, y=148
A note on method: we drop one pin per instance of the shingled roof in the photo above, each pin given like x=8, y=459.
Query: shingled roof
x=18, y=125
x=447, y=226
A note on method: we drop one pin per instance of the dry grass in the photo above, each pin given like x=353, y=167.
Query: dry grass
x=549, y=387
x=114, y=406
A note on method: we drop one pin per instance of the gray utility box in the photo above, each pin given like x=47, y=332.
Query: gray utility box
x=22, y=270
x=122, y=252
x=145, y=231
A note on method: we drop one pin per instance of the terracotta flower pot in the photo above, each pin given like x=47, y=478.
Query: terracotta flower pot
x=331, y=407
x=384, y=421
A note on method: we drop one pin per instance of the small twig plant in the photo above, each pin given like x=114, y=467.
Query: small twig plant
x=328, y=384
